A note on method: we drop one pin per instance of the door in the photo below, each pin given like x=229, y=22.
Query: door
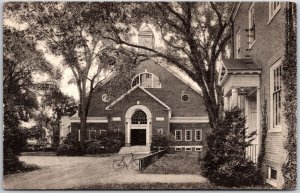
x=138, y=136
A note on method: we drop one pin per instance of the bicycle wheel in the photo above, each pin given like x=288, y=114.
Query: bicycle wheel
x=118, y=164
x=135, y=165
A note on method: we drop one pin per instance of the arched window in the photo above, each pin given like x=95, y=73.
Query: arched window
x=146, y=80
x=139, y=117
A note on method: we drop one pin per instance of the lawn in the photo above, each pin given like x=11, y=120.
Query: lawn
x=167, y=186
x=178, y=163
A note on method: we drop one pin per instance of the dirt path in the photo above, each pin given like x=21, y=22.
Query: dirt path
x=70, y=172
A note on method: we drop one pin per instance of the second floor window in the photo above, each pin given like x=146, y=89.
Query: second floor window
x=251, y=30
x=146, y=80
x=238, y=44
x=273, y=9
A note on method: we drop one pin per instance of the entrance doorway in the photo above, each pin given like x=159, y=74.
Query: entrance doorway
x=138, y=136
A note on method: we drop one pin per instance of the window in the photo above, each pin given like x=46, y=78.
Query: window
x=160, y=131
x=92, y=134
x=198, y=135
x=272, y=174
x=146, y=80
x=276, y=95
x=238, y=44
x=184, y=97
x=178, y=149
x=105, y=98
x=117, y=130
x=198, y=148
x=178, y=135
x=139, y=117
x=188, y=135
x=273, y=9
x=251, y=30
x=188, y=149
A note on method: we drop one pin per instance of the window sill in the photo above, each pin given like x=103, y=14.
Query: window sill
x=275, y=130
x=272, y=182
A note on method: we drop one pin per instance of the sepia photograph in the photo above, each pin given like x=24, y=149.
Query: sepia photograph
x=179, y=95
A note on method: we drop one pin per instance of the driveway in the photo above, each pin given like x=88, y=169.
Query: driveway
x=71, y=172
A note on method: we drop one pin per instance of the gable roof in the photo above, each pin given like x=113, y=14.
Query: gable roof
x=130, y=91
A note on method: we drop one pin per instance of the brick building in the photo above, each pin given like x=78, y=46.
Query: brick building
x=252, y=75
x=159, y=101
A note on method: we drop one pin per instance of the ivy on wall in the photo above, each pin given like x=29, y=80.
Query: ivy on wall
x=264, y=128
x=289, y=77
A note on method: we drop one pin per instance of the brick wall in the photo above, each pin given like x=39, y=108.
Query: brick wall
x=268, y=48
x=204, y=127
x=170, y=93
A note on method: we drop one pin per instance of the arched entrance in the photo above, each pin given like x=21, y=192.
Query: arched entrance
x=138, y=126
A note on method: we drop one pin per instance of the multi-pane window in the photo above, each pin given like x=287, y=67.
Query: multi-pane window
x=146, y=80
x=273, y=8
x=178, y=135
x=92, y=134
x=139, y=117
x=276, y=94
x=188, y=135
x=251, y=30
x=198, y=135
x=238, y=44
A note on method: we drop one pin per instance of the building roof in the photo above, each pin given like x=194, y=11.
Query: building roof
x=237, y=66
x=130, y=91
x=240, y=64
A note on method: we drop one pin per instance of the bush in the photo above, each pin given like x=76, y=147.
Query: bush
x=161, y=141
x=107, y=142
x=70, y=146
x=225, y=162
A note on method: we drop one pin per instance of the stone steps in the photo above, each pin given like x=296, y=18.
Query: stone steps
x=135, y=150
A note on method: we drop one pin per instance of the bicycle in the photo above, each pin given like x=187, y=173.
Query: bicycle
x=134, y=163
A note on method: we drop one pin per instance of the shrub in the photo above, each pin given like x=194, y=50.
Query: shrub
x=70, y=146
x=161, y=141
x=107, y=142
x=225, y=162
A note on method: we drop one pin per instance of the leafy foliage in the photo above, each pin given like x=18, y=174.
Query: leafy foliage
x=179, y=26
x=162, y=141
x=264, y=129
x=225, y=162
x=107, y=142
x=290, y=105
x=70, y=146
x=21, y=61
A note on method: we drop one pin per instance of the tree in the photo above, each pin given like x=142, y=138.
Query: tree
x=61, y=105
x=194, y=34
x=21, y=61
x=73, y=31
x=225, y=163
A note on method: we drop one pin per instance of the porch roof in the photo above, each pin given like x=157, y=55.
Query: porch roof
x=246, y=66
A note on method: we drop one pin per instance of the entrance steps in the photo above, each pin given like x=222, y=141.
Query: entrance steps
x=135, y=150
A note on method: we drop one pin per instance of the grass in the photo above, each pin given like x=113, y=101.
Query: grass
x=167, y=186
x=179, y=163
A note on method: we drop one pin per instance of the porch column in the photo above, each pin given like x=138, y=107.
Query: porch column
x=242, y=101
x=258, y=110
x=226, y=103
x=127, y=132
x=148, y=132
x=234, y=96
